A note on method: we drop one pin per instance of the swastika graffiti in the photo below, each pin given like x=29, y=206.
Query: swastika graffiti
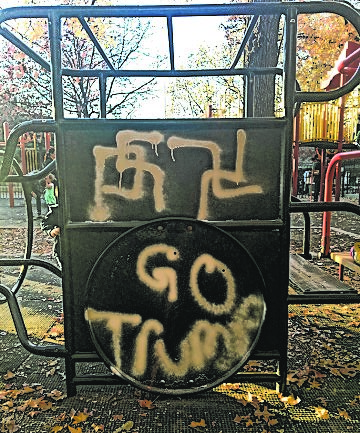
x=131, y=154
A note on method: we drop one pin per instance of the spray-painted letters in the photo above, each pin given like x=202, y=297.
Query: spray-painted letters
x=215, y=342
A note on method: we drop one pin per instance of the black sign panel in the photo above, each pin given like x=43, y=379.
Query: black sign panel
x=175, y=304
x=207, y=170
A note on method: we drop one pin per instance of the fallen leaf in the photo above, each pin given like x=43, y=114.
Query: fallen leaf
x=272, y=421
x=22, y=408
x=11, y=426
x=322, y=400
x=34, y=403
x=45, y=405
x=3, y=394
x=74, y=430
x=61, y=417
x=315, y=384
x=98, y=427
x=238, y=419
x=348, y=371
x=249, y=422
x=263, y=414
x=55, y=394
x=56, y=429
x=344, y=414
x=28, y=390
x=148, y=404
x=127, y=426
x=322, y=413
x=8, y=404
x=9, y=375
x=80, y=418
x=56, y=331
x=118, y=417
x=51, y=372
x=354, y=323
x=290, y=400
x=200, y=423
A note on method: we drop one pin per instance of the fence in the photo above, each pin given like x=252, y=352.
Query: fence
x=5, y=191
x=350, y=181
x=320, y=122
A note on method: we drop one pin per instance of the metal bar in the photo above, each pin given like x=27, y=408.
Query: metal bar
x=324, y=298
x=95, y=42
x=325, y=239
x=12, y=141
x=270, y=8
x=47, y=350
x=99, y=379
x=172, y=73
x=171, y=42
x=324, y=206
x=254, y=377
x=237, y=225
x=102, y=91
x=56, y=79
x=290, y=63
x=31, y=262
x=306, y=236
x=249, y=95
x=331, y=94
x=245, y=40
x=27, y=178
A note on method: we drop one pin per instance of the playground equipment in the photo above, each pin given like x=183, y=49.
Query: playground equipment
x=30, y=157
x=325, y=241
x=330, y=127
x=175, y=245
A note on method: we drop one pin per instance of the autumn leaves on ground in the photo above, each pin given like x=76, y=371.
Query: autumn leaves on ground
x=323, y=377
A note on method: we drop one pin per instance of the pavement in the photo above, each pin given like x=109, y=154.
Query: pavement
x=12, y=217
x=324, y=376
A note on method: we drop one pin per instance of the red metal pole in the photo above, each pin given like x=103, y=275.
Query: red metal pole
x=325, y=239
x=322, y=174
x=47, y=140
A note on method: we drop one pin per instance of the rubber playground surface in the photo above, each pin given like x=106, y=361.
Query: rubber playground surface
x=324, y=374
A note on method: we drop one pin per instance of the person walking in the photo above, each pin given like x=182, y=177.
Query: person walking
x=316, y=175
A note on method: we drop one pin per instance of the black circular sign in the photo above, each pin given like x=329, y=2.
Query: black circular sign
x=175, y=305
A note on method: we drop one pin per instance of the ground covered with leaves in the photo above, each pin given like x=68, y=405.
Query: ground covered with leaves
x=323, y=377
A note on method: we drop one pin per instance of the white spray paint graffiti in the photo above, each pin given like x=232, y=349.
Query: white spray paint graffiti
x=202, y=342
x=130, y=153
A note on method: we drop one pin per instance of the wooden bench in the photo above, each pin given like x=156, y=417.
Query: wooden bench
x=345, y=261
x=309, y=284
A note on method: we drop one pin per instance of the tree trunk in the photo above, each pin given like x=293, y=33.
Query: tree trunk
x=263, y=51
